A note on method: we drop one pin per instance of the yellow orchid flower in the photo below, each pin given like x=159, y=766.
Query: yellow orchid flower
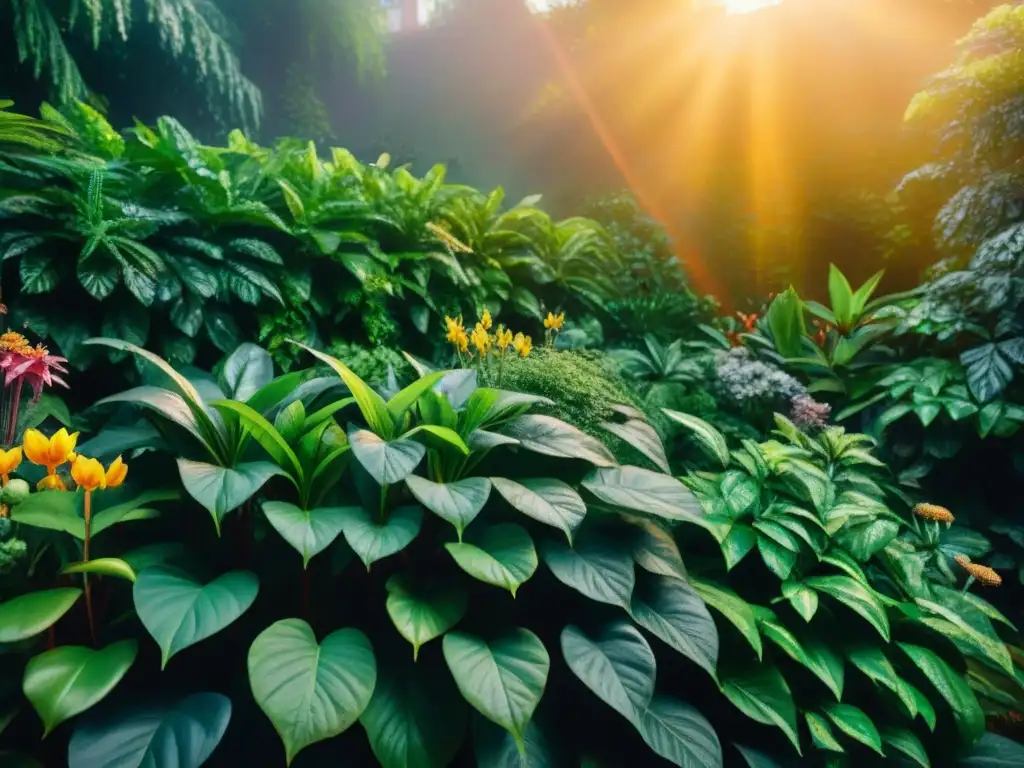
x=116, y=473
x=503, y=338
x=554, y=322
x=485, y=320
x=522, y=344
x=49, y=452
x=9, y=461
x=480, y=338
x=51, y=483
x=89, y=474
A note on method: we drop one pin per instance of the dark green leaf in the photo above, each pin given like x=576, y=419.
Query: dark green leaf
x=28, y=615
x=675, y=613
x=459, y=503
x=309, y=531
x=762, y=695
x=644, y=491
x=551, y=437
x=501, y=555
x=546, y=500
x=373, y=540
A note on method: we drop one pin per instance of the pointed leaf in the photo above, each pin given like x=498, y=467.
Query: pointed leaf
x=681, y=734
x=597, y=567
x=28, y=615
x=546, y=500
x=423, y=611
x=644, y=438
x=309, y=531
x=104, y=566
x=675, y=613
x=459, y=503
x=709, y=438
x=762, y=695
x=856, y=596
x=501, y=555
x=551, y=437
x=644, y=491
x=387, y=462
x=373, y=540
x=221, y=490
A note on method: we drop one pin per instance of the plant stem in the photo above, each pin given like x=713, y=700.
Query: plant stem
x=305, y=593
x=85, y=576
x=12, y=424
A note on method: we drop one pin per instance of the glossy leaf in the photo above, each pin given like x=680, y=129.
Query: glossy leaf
x=103, y=566
x=221, y=490
x=644, y=438
x=821, y=733
x=28, y=615
x=732, y=607
x=644, y=491
x=803, y=599
x=969, y=717
x=548, y=501
x=246, y=371
x=459, y=503
x=501, y=555
x=904, y=740
x=855, y=724
x=709, y=438
x=372, y=540
x=387, y=461
x=552, y=437
x=310, y=691
x=856, y=596
x=181, y=735
x=596, y=567
x=681, y=734
x=503, y=679
x=618, y=666
x=178, y=611
x=423, y=611
x=675, y=613
x=66, y=681
x=308, y=531
x=762, y=695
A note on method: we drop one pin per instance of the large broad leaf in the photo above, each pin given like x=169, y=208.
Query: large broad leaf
x=168, y=404
x=387, y=461
x=415, y=718
x=597, y=566
x=904, y=740
x=495, y=747
x=644, y=491
x=310, y=691
x=28, y=615
x=656, y=551
x=644, y=438
x=553, y=437
x=993, y=751
x=709, y=438
x=503, y=679
x=68, y=680
x=373, y=540
x=855, y=724
x=762, y=695
x=618, y=666
x=856, y=596
x=732, y=607
x=309, y=531
x=459, y=503
x=372, y=405
x=502, y=555
x=786, y=323
x=221, y=490
x=988, y=370
x=983, y=643
x=178, y=611
x=969, y=717
x=546, y=500
x=181, y=735
x=681, y=734
x=422, y=610
x=248, y=369
x=841, y=295
x=65, y=511
x=675, y=613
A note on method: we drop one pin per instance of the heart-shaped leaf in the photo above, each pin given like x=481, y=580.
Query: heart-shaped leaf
x=26, y=616
x=309, y=531
x=310, y=691
x=681, y=734
x=387, y=461
x=178, y=611
x=459, y=503
x=182, y=735
x=223, y=489
x=416, y=718
x=644, y=491
x=674, y=612
x=502, y=555
x=422, y=611
x=548, y=501
x=618, y=667
x=503, y=680
x=66, y=681
x=374, y=541
x=597, y=567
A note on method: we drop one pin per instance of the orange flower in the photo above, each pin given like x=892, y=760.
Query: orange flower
x=982, y=573
x=934, y=512
x=51, y=483
x=749, y=321
x=116, y=473
x=89, y=474
x=9, y=461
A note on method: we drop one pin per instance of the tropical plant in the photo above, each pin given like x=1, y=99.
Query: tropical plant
x=25, y=131
x=660, y=363
x=809, y=525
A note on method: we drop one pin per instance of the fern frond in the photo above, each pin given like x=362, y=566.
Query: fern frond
x=26, y=131
x=38, y=39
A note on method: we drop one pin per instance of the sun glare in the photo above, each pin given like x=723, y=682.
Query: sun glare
x=747, y=6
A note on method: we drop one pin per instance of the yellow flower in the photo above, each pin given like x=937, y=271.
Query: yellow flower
x=982, y=573
x=49, y=452
x=116, y=473
x=89, y=474
x=9, y=461
x=12, y=341
x=554, y=322
x=485, y=320
x=522, y=344
x=456, y=333
x=50, y=483
x=480, y=338
x=934, y=512
x=503, y=338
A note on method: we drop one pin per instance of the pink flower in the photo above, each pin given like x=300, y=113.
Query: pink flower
x=808, y=413
x=25, y=364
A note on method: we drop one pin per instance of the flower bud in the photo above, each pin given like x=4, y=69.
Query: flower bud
x=15, y=492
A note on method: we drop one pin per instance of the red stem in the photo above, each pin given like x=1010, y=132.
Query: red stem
x=12, y=425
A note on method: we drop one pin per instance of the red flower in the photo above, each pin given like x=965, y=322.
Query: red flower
x=34, y=366
x=748, y=321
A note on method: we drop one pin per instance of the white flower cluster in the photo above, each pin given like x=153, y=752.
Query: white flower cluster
x=743, y=378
